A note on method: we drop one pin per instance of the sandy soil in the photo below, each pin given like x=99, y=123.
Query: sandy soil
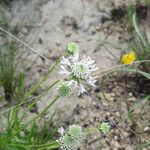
x=48, y=25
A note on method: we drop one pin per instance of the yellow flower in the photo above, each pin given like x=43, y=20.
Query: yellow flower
x=128, y=58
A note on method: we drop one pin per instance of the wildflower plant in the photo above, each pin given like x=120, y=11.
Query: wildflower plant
x=141, y=41
x=77, y=71
x=70, y=139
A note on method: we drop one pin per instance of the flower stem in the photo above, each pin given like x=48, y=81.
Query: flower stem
x=40, y=114
x=44, y=93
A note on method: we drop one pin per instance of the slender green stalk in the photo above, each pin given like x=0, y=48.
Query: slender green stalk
x=17, y=39
x=99, y=103
x=35, y=88
x=13, y=107
x=118, y=66
x=40, y=114
x=138, y=31
x=115, y=57
x=91, y=130
x=43, y=94
x=51, y=145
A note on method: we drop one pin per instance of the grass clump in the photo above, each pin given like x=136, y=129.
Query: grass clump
x=140, y=43
x=29, y=138
x=12, y=83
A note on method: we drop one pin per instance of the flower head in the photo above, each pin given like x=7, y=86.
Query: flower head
x=75, y=132
x=128, y=58
x=72, y=48
x=64, y=89
x=70, y=139
x=82, y=69
x=79, y=70
x=104, y=127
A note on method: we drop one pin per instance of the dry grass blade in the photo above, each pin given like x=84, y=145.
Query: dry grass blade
x=17, y=39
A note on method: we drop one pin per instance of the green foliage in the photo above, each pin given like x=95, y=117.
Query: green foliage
x=27, y=139
x=20, y=135
x=12, y=83
x=130, y=10
x=145, y=145
x=141, y=43
x=5, y=2
x=3, y=20
x=141, y=46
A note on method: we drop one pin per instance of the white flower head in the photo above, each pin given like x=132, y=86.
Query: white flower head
x=70, y=139
x=79, y=70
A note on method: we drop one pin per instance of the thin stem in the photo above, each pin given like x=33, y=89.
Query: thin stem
x=41, y=146
x=91, y=130
x=111, y=53
x=119, y=130
x=39, y=83
x=138, y=31
x=118, y=66
x=40, y=114
x=18, y=105
x=17, y=39
x=107, y=109
x=44, y=93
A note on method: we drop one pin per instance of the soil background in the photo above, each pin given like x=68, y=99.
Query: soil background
x=48, y=25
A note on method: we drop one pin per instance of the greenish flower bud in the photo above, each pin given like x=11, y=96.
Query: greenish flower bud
x=75, y=132
x=104, y=127
x=72, y=48
x=64, y=89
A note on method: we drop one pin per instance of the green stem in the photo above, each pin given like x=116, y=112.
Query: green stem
x=138, y=31
x=91, y=130
x=50, y=145
x=39, y=83
x=111, y=53
x=43, y=94
x=41, y=146
x=55, y=99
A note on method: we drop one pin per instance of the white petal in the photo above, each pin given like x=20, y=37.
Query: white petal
x=91, y=81
x=63, y=71
x=65, y=61
x=61, y=130
x=81, y=89
x=94, y=68
x=74, y=58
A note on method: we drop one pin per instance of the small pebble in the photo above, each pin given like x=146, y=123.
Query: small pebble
x=130, y=94
x=147, y=129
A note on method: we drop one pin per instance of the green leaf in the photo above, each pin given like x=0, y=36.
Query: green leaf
x=133, y=70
